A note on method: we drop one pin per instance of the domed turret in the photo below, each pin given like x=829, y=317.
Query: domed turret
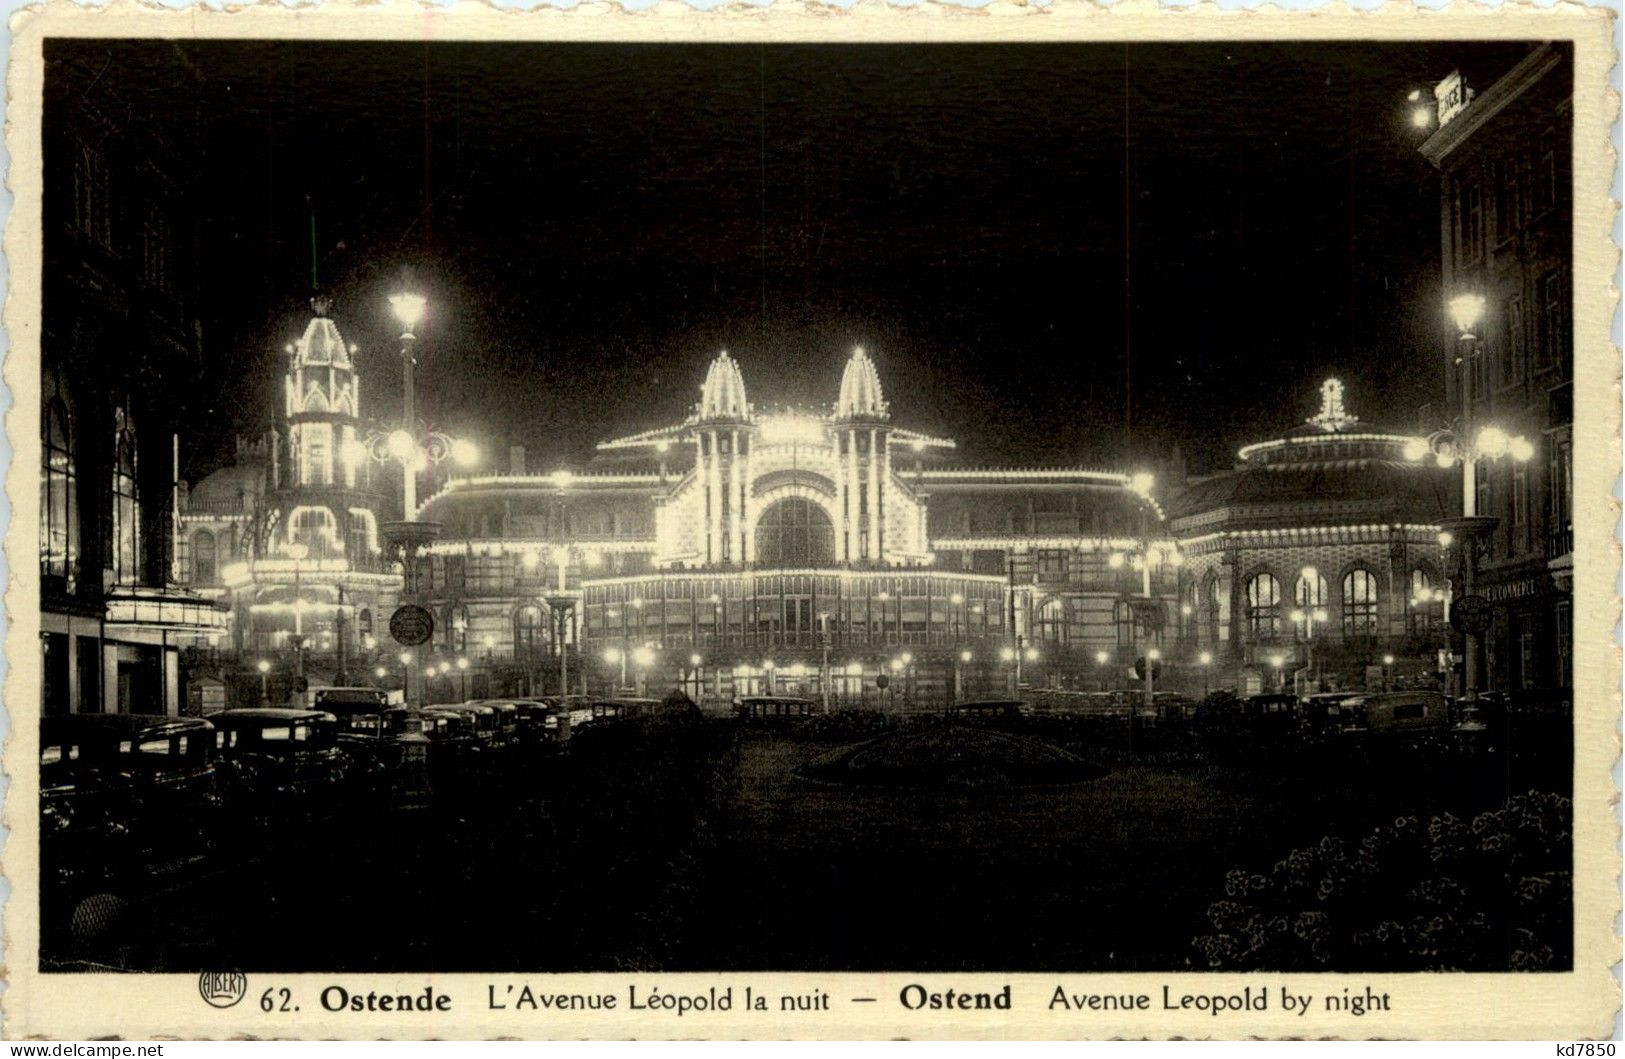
x=723, y=395
x=321, y=343
x=860, y=389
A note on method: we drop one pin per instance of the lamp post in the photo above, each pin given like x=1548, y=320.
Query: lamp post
x=962, y=660
x=264, y=667
x=1102, y=657
x=297, y=552
x=612, y=655
x=1469, y=444
x=1305, y=618
x=1148, y=554
x=462, y=675
x=1205, y=660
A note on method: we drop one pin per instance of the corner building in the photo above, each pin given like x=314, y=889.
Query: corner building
x=787, y=551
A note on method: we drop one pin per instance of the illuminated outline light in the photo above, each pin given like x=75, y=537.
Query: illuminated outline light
x=1246, y=452
x=494, y=547
x=844, y=574
x=1312, y=534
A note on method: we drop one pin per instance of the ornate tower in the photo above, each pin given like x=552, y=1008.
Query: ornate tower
x=323, y=485
x=862, y=436
x=722, y=440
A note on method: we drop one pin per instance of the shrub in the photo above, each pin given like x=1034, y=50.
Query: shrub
x=1490, y=894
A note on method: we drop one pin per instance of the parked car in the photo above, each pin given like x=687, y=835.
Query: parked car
x=773, y=710
x=989, y=710
x=1396, y=713
x=279, y=760
x=122, y=793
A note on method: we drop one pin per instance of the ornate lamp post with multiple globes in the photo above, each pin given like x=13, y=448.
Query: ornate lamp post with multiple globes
x=1469, y=445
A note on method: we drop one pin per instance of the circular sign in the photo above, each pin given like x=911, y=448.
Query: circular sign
x=1139, y=668
x=300, y=685
x=1470, y=615
x=882, y=681
x=411, y=625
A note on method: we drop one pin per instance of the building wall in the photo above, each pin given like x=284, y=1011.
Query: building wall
x=1506, y=214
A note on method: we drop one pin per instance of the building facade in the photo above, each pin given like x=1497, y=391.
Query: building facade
x=1506, y=237
x=1316, y=562
x=119, y=328
x=747, y=551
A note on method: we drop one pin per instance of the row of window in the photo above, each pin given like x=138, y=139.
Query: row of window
x=1358, y=612
x=1524, y=185
x=1528, y=339
x=59, y=525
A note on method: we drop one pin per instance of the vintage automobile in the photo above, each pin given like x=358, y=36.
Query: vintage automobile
x=1254, y=717
x=1396, y=714
x=387, y=747
x=482, y=720
x=123, y=796
x=278, y=761
x=989, y=710
x=775, y=711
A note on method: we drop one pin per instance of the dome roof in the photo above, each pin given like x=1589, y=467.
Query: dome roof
x=723, y=394
x=860, y=389
x=228, y=489
x=1324, y=491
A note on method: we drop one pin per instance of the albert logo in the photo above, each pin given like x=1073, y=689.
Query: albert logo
x=222, y=989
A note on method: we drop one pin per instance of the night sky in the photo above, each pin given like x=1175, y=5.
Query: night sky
x=1056, y=254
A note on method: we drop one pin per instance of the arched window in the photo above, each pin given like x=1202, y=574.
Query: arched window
x=1359, y=603
x=1311, y=589
x=1123, y=619
x=1264, y=607
x=59, y=496
x=794, y=532
x=125, y=551
x=1049, y=623
x=316, y=529
x=363, y=623
x=1210, y=603
x=529, y=632
x=204, y=558
x=457, y=628
x=1425, y=606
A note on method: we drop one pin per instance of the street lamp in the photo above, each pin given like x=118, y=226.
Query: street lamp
x=402, y=444
x=1205, y=660
x=265, y=669
x=643, y=656
x=614, y=655
x=462, y=675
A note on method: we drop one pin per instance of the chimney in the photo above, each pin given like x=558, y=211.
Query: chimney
x=516, y=460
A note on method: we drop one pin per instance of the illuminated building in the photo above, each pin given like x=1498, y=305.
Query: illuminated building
x=119, y=328
x=744, y=550
x=288, y=535
x=1507, y=215
x=1319, y=551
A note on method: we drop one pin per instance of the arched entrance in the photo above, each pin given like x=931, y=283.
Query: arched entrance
x=794, y=532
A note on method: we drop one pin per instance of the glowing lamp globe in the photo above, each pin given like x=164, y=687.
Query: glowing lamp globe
x=462, y=663
x=380, y=672
x=1206, y=658
x=401, y=446
x=1387, y=660
x=1416, y=450
x=695, y=660
x=1032, y=654
x=1521, y=449
x=1493, y=442
x=1007, y=653
x=965, y=656
x=854, y=669
x=406, y=658
x=612, y=655
x=1465, y=310
x=642, y=656
x=408, y=308
x=1115, y=560
x=297, y=551
x=1101, y=657
x=464, y=452
x=1154, y=654
x=263, y=666
x=1420, y=118
x=1446, y=539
